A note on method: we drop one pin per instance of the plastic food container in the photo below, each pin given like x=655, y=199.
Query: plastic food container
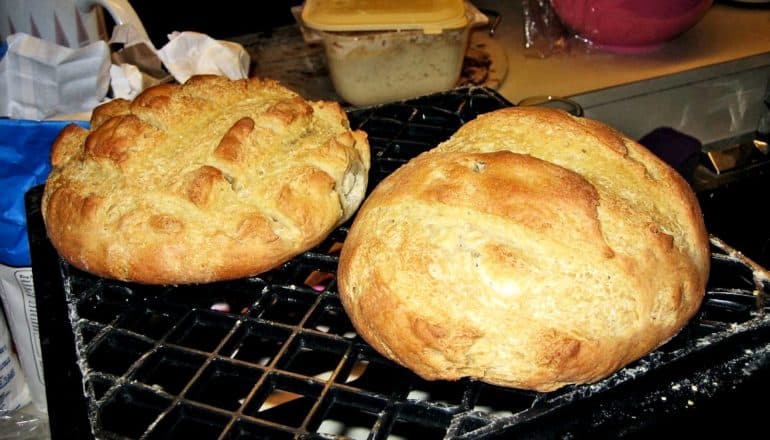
x=380, y=52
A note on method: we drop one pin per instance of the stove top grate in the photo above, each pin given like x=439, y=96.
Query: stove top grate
x=275, y=356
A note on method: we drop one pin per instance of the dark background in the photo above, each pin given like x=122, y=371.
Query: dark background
x=220, y=19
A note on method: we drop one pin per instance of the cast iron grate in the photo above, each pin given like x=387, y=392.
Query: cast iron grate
x=275, y=356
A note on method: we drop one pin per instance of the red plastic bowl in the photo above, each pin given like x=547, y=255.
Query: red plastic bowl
x=630, y=24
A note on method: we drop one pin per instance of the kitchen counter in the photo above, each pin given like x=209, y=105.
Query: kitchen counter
x=726, y=34
x=708, y=81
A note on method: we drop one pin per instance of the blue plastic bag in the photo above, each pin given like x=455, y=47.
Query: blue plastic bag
x=25, y=148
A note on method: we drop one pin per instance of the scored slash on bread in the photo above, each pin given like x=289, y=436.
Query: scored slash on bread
x=210, y=180
x=532, y=249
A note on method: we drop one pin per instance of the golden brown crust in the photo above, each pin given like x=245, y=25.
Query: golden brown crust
x=532, y=249
x=214, y=179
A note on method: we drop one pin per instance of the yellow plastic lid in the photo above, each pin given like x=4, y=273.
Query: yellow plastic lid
x=430, y=16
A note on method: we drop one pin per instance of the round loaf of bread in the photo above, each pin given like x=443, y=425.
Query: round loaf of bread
x=532, y=249
x=211, y=180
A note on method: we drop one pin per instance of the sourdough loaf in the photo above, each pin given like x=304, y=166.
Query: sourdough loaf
x=532, y=249
x=211, y=180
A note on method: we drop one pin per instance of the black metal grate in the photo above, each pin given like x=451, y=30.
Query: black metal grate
x=275, y=356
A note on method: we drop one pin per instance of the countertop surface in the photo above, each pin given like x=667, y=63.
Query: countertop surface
x=727, y=32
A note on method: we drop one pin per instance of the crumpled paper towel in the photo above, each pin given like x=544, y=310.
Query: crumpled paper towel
x=42, y=80
x=139, y=65
x=190, y=53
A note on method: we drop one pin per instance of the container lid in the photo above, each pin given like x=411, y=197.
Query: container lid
x=430, y=16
